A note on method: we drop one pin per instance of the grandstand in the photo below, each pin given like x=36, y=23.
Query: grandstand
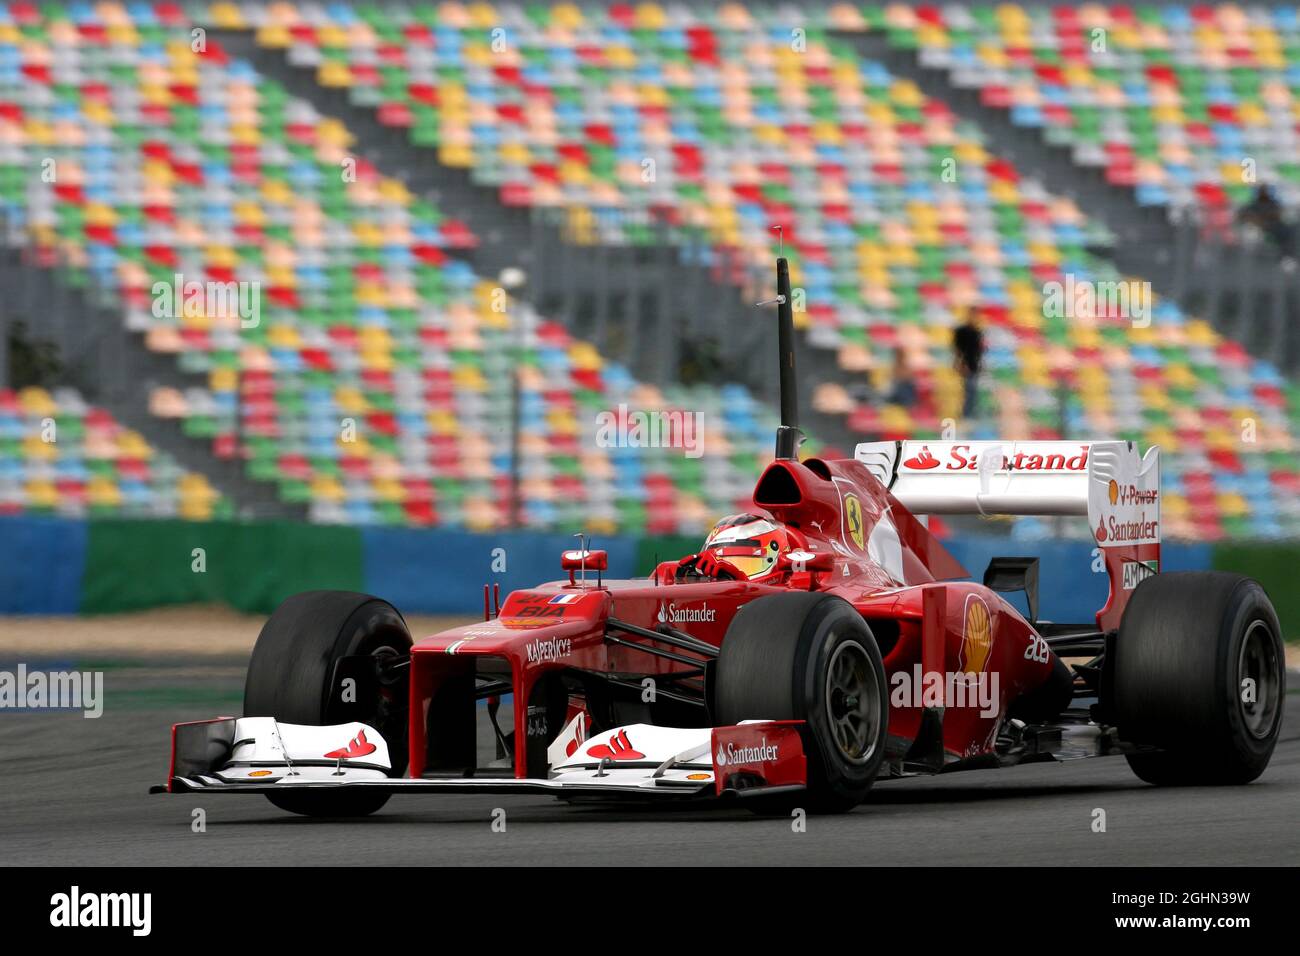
x=898, y=214
x=1168, y=101
x=176, y=162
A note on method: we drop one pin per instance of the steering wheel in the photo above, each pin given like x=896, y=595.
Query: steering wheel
x=709, y=566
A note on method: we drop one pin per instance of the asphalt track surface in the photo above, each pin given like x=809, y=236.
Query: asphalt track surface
x=75, y=794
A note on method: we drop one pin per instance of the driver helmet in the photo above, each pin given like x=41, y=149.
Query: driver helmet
x=749, y=542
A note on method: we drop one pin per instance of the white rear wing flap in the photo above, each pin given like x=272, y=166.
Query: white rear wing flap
x=994, y=477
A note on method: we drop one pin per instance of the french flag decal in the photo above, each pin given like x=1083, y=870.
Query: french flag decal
x=565, y=599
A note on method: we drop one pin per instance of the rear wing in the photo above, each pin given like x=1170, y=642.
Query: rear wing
x=1117, y=488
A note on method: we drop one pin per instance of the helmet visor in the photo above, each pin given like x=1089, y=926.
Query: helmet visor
x=745, y=560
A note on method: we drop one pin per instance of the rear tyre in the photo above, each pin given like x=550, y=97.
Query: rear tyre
x=1199, y=673
x=810, y=657
x=292, y=677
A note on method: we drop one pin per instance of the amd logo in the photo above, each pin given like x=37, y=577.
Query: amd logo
x=1134, y=573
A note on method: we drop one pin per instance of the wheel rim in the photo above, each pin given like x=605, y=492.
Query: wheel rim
x=852, y=702
x=388, y=714
x=1257, y=662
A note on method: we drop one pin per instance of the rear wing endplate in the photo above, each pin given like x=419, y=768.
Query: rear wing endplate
x=1110, y=482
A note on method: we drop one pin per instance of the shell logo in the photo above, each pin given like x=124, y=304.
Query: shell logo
x=1112, y=491
x=976, y=636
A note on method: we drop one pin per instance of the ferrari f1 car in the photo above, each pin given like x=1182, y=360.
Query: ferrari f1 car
x=818, y=643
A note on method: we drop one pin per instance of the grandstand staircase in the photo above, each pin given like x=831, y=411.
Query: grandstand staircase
x=111, y=367
x=1240, y=291
x=675, y=306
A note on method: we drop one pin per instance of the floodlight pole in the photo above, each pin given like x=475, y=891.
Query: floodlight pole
x=512, y=281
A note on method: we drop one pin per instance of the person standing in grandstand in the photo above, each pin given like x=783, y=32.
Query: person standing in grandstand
x=967, y=354
x=902, y=390
x=1265, y=213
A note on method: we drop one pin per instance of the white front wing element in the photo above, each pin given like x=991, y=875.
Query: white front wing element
x=1010, y=478
x=266, y=751
x=258, y=754
x=641, y=755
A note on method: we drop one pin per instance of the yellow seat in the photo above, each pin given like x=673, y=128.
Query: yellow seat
x=273, y=37
x=389, y=490
x=334, y=74
x=41, y=493
x=194, y=509
x=350, y=401
x=37, y=401
x=131, y=444
x=226, y=16
x=1232, y=505
x=223, y=379
x=103, y=491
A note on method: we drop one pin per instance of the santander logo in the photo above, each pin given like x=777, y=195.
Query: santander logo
x=923, y=460
x=672, y=614
x=1026, y=456
x=730, y=754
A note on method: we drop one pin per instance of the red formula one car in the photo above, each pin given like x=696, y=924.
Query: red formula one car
x=816, y=644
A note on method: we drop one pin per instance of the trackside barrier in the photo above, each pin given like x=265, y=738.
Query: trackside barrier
x=42, y=561
x=59, y=566
x=1276, y=566
x=252, y=566
x=443, y=572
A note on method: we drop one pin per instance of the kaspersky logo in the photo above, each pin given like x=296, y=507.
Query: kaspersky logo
x=671, y=614
x=732, y=755
x=551, y=649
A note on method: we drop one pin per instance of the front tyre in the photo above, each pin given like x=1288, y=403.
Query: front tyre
x=294, y=672
x=1199, y=673
x=810, y=657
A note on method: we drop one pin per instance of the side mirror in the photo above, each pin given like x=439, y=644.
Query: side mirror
x=591, y=560
x=821, y=562
x=584, y=561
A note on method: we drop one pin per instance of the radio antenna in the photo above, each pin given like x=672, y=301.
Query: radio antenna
x=788, y=435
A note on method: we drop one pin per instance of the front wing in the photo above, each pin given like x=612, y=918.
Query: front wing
x=262, y=755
